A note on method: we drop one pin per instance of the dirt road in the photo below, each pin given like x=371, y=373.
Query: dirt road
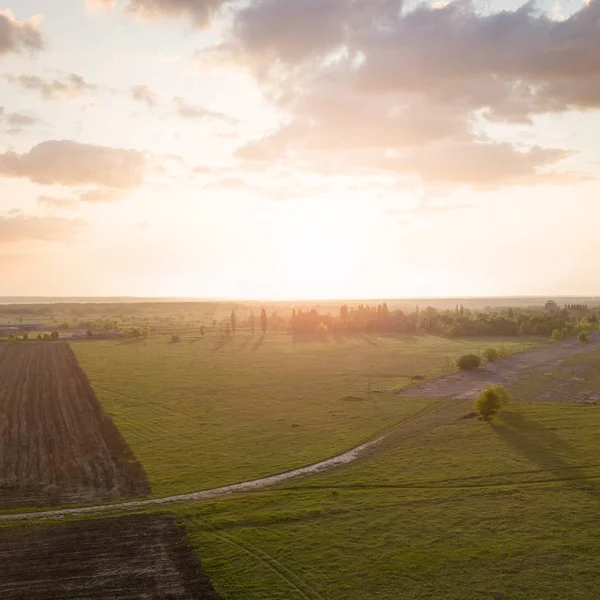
x=437, y=413
x=469, y=384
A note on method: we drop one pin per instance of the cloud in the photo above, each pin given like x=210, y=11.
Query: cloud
x=199, y=12
x=95, y=5
x=478, y=164
x=370, y=84
x=46, y=229
x=142, y=93
x=55, y=202
x=188, y=111
x=16, y=36
x=72, y=163
x=69, y=86
x=101, y=195
x=17, y=122
x=93, y=196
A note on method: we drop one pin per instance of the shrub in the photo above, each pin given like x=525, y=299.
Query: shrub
x=491, y=354
x=490, y=401
x=583, y=337
x=557, y=335
x=175, y=339
x=468, y=362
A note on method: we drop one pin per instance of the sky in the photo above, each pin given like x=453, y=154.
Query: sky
x=299, y=149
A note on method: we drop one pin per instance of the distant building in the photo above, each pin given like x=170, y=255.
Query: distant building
x=551, y=306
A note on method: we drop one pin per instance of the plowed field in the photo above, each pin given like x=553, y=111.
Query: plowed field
x=57, y=446
x=128, y=558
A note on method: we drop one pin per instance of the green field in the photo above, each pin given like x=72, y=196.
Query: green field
x=457, y=508
x=207, y=412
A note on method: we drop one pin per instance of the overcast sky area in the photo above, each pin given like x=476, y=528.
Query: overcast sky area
x=289, y=149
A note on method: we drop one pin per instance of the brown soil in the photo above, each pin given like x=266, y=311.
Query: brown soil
x=57, y=446
x=469, y=384
x=137, y=557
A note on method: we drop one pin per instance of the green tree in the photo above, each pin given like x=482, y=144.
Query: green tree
x=468, y=362
x=54, y=335
x=489, y=402
x=232, y=320
x=25, y=336
x=263, y=321
x=583, y=337
x=557, y=335
x=491, y=354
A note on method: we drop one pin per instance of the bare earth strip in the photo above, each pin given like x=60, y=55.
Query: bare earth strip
x=438, y=413
x=143, y=557
x=469, y=384
x=57, y=446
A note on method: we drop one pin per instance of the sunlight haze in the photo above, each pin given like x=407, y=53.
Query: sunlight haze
x=288, y=150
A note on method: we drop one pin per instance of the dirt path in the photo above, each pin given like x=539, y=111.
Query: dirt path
x=469, y=384
x=458, y=385
x=247, y=486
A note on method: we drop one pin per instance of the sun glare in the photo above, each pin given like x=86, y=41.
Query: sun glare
x=315, y=255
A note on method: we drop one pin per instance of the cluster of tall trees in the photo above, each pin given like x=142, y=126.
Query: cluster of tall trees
x=459, y=322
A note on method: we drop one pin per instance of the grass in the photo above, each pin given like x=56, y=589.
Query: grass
x=472, y=510
x=209, y=412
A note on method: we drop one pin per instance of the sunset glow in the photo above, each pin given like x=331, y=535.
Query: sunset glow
x=207, y=149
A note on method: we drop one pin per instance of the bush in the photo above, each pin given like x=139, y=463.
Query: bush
x=490, y=401
x=469, y=362
x=557, y=335
x=175, y=339
x=491, y=354
x=583, y=337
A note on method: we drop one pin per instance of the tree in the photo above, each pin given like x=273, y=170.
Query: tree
x=557, y=335
x=468, y=362
x=89, y=333
x=54, y=335
x=39, y=337
x=263, y=321
x=202, y=331
x=252, y=323
x=175, y=339
x=511, y=313
x=583, y=337
x=232, y=320
x=25, y=336
x=491, y=354
x=490, y=401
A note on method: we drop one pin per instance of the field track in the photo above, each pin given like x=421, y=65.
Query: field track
x=439, y=412
x=128, y=558
x=57, y=446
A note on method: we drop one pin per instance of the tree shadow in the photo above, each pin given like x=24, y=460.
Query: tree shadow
x=543, y=448
x=338, y=338
x=373, y=343
x=258, y=343
x=224, y=341
x=245, y=342
x=310, y=338
x=130, y=341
